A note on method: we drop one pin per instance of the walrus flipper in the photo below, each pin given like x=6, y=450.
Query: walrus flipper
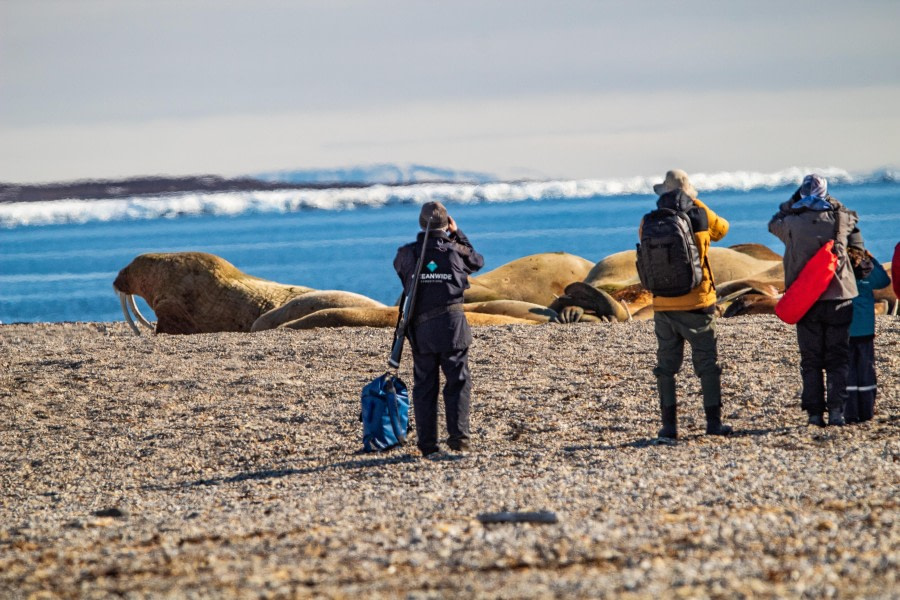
x=596, y=301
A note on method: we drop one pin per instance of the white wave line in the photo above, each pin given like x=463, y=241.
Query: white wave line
x=280, y=201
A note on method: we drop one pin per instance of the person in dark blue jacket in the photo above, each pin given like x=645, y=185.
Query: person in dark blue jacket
x=439, y=333
x=861, y=380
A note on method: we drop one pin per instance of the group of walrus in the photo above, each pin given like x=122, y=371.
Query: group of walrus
x=196, y=292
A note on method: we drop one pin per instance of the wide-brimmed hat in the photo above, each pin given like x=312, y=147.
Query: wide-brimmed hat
x=676, y=179
x=433, y=216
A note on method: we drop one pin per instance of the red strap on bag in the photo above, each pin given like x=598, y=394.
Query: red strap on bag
x=809, y=285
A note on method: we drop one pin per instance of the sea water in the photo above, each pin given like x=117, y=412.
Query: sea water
x=58, y=259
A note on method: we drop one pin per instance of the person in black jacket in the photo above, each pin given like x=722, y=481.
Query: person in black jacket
x=439, y=333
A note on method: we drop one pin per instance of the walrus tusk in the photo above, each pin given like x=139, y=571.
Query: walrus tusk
x=896, y=307
x=125, y=312
x=138, y=314
x=734, y=295
x=627, y=309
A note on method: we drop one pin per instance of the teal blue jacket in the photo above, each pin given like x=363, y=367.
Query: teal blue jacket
x=864, y=304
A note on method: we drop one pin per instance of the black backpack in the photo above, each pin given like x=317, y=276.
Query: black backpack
x=668, y=261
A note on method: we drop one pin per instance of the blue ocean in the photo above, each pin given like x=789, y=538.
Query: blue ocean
x=58, y=258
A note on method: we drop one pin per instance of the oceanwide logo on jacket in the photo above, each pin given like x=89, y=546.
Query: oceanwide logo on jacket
x=431, y=276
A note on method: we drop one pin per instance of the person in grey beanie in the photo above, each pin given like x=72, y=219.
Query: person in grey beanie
x=439, y=334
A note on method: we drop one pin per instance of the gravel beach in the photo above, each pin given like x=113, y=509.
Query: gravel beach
x=225, y=465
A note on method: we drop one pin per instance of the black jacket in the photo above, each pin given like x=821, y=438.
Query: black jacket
x=449, y=259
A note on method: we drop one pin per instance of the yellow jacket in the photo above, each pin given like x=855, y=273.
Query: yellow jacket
x=704, y=294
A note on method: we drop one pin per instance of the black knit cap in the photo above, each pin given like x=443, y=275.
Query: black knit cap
x=434, y=215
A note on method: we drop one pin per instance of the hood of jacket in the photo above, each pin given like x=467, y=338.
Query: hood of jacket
x=675, y=200
x=796, y=205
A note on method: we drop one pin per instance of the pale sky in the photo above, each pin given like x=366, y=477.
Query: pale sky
x=519, y=88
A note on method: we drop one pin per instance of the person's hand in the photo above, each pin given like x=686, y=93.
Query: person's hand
x=451, y=224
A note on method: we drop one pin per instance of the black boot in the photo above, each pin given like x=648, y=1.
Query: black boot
x=816, y=420
x=670, y=422
x=711, y=388
x=665, y=385
x=714, y=424
x=836, y=416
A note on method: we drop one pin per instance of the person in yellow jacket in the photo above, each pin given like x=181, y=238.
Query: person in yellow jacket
x=690, y=317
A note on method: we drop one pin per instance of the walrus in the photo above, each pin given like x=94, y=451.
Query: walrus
x=753, y=300
x=751, y=304
x=614, y=272
x=634, y=298
x=755, y=286
x=887, y=307
x=196, y=292
x=384, y=317
x=538, y=279
x=618, y=270
x=513, y=308
x=756, y=251
x=886, y=293
x=309, y=303
x=744, y=268
x=765, y=283
x=644, y=314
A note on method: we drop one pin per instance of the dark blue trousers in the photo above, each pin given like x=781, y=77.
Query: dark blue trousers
x=457, y=391
x=861, y=380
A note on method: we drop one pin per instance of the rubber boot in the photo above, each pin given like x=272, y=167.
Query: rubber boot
x=816, y=420
x=668, y=407
x=836, y=417
x=711, y=387
x=714, y=424
x=670, y=423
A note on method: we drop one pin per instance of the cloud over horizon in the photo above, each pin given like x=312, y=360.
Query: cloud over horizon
x=574, y=89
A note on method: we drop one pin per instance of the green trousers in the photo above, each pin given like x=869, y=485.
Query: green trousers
x=672, y=329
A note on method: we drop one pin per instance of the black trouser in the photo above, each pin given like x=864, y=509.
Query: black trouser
x=861, y=380
x=457, y=389
x=824, y=338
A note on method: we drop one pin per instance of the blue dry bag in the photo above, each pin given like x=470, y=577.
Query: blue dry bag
x=385, y=413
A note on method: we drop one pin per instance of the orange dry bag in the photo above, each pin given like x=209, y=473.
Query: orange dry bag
x=809, y=285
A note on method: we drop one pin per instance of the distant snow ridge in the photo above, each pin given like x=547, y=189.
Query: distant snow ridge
x=345, y=198
x=384, y=173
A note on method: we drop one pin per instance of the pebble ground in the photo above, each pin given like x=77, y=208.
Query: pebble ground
x=224, y=465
